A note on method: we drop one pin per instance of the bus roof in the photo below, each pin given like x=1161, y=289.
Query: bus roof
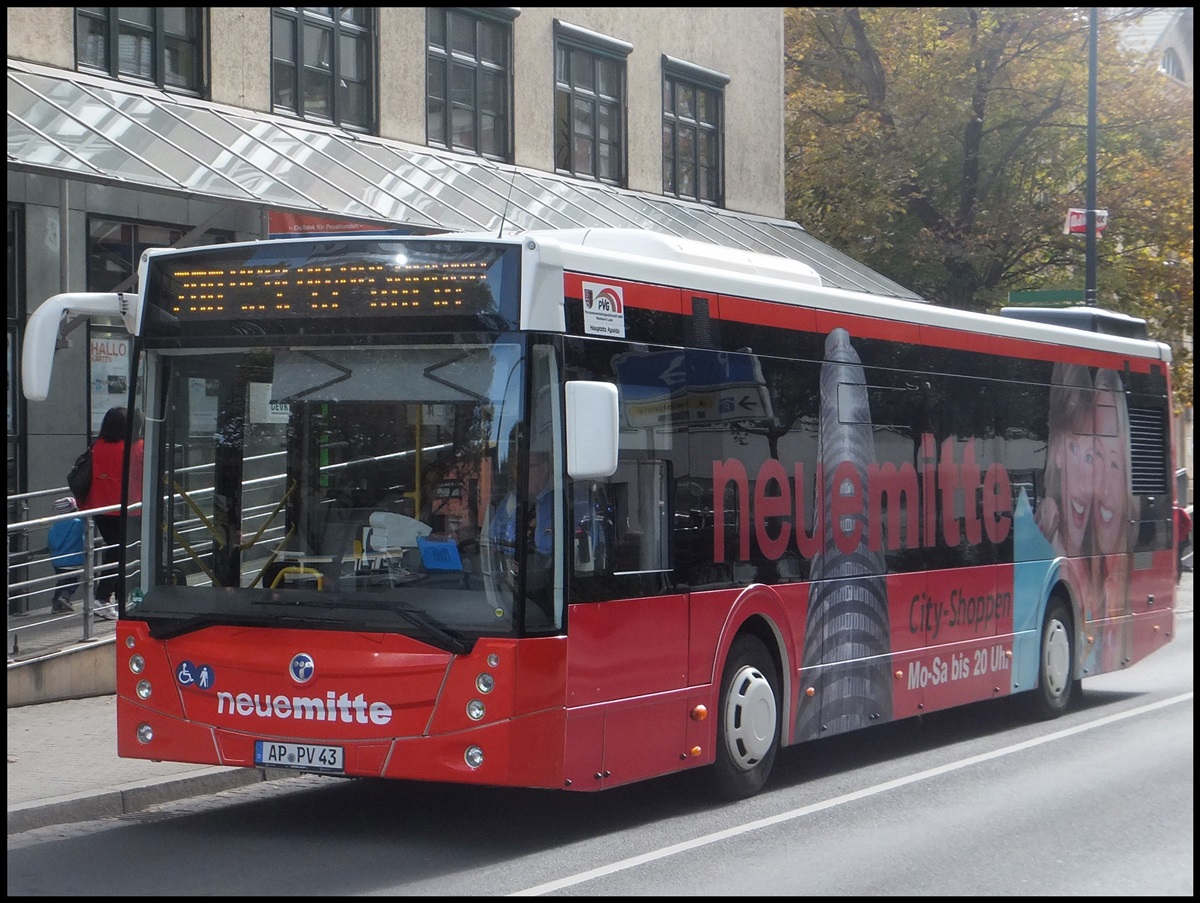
x=647, y=256
x=653, y=257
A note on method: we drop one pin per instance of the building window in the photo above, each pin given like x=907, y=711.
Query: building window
x=114, y=248
x=322, y=63
x=1171, y=65
x=469, y=81
x=159, y=45
x=693, y=132
x=589, y=104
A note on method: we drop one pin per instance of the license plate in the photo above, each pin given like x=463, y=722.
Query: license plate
x=299, y=755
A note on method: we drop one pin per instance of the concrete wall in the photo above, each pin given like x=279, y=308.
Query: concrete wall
x=76, y=673
x=402, y=74
x=43, y=34
x=239, y=56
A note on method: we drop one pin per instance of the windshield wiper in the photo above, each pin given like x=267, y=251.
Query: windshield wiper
x=167, y=628
x=449, y=639
x=444, y=637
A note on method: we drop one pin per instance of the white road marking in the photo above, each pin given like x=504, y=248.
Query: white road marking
x=665, y=852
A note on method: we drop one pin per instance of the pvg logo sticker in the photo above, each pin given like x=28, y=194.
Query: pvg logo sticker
x=603, y=310
x=302, y=667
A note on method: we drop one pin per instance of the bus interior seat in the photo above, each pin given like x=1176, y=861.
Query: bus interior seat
x=388, y=532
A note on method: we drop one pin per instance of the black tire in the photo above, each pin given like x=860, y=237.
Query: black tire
x=748, y=720
x=1056, y=663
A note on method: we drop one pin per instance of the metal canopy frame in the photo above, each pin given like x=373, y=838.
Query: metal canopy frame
x=77, y=126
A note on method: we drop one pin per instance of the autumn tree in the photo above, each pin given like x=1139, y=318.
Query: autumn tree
x=944, y=146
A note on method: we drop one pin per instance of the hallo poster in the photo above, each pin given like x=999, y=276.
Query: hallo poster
x=108, y=366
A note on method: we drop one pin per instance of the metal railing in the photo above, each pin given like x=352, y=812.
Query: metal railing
x=34, y=628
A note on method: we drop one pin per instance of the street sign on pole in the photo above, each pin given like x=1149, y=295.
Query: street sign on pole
x=1076, y=222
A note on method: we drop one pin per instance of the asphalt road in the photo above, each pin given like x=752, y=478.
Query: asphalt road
x=975, y=801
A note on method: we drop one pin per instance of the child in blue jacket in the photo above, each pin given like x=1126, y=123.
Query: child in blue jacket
x=66, y=549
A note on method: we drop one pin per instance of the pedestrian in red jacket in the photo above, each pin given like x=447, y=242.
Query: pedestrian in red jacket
x=1182, y=538
x=108, y=461
x=1183, y=535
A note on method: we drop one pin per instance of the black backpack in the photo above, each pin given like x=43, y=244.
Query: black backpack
x=80, y=478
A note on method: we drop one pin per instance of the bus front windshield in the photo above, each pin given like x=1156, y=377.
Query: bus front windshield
x=349, y=488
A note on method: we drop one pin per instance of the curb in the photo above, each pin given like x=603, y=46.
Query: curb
x=125, y=799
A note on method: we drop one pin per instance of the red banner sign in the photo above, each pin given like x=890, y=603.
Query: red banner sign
x=1076, y=223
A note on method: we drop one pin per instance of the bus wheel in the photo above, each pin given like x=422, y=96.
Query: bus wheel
x=1056, y=662
x=748, y=729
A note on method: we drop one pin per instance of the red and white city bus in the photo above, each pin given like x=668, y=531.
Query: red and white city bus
x=574, y=509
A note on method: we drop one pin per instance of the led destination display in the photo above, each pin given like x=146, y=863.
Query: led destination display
x=287, y=287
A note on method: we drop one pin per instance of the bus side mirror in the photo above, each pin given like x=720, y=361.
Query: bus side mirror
x=591, y=429
x=42, y=333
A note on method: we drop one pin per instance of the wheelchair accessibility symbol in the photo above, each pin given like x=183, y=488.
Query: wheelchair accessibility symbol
x=199, y=676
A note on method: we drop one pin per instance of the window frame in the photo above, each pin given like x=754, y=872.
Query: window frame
x=338, y=105
x=17, y=293
x=108, y=20
x=680, y=76
x=441, y=62
x=574, y=45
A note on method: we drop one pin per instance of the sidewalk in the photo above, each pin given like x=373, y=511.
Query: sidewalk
x=63, y=767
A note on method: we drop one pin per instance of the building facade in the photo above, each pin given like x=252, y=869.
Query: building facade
x=132, y=128
x=1165, y=35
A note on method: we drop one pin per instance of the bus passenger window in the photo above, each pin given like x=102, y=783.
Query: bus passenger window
x=620, y=525
x=593, y=528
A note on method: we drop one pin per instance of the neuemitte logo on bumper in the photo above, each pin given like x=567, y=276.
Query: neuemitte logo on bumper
x=333, y=706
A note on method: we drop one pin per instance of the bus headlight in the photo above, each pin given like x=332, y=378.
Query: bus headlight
x=473, y=756
x=143, y=689
x=145, y=733
x=475, y=709
x=137, y=664
x=485, y=683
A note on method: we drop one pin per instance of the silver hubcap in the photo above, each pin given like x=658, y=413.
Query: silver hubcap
x=1056, y=664
x=750, y=717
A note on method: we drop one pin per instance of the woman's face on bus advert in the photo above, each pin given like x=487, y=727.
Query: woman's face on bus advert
x=1077, y=451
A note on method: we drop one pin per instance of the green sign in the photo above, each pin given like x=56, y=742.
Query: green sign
x=1054, y=297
